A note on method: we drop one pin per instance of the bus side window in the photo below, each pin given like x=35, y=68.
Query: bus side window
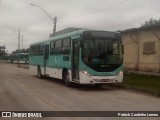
x=46, y=52
x=52, y=46
x=36, y=49
x=41, y=49
x=66, y=46
x=58, y=47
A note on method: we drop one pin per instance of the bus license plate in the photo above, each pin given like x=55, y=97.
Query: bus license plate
x=105, y=80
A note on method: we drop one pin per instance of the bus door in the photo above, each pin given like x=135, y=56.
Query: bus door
x=46, y=57
x=75, y=60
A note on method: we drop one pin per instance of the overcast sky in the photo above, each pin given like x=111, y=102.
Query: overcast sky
x=35, y=25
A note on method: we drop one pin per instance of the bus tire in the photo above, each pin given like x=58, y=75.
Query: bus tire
x=66, y=79
x=39, y=73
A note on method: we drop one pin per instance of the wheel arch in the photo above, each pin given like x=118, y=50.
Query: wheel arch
x=64, y=70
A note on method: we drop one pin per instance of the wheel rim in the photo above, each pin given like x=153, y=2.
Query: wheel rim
x=39, y=74
x=66, y=80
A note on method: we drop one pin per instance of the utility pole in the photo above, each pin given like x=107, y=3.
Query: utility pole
x=4, y=49
x=55, y=24
x=53, y=19
x=19, y=39
x=22, y=42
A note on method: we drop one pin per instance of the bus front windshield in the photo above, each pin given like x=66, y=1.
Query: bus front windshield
x=102, y=51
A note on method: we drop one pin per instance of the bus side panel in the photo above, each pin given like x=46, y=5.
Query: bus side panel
x=55, y=72
x=54, y=69
x=33, y=69
x=36, y=61
x=56, y=65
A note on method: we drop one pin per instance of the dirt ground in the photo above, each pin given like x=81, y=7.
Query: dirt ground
x=20, y=90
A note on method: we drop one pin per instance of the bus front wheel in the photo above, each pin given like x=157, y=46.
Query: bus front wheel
x=66, y=79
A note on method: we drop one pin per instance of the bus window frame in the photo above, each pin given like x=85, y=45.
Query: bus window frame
x=66, y=50
x=57, y=50
x=52, y=47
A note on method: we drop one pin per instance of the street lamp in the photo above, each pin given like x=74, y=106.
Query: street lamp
x=53, y=19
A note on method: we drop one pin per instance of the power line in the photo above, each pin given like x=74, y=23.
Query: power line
x=95, y=11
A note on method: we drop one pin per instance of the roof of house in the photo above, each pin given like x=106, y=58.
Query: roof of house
x=148, y=27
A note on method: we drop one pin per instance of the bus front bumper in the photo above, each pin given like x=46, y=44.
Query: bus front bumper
x=87, y=79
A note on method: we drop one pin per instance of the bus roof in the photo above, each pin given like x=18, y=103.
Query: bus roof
x=60, y=36
x=67, y=35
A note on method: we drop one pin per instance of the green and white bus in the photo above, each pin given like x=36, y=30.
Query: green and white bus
x=83, y=57
x=22, y=57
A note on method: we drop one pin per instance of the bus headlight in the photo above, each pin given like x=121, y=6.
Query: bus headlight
x=86, y=73
x=120, y=73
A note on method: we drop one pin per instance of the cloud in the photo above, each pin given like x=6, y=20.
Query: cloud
x=35, y=24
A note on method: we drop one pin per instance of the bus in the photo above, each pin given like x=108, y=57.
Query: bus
x=13, y=58
x=83, y=57
x=23, y=58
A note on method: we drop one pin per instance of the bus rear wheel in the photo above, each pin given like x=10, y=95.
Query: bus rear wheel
x=66, y=79
x=39, y=73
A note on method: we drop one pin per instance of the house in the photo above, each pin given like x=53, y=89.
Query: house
x=142, y=48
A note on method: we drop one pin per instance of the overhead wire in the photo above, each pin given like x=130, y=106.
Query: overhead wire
x=95, y=11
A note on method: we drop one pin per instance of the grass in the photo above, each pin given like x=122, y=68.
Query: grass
x=143, y=83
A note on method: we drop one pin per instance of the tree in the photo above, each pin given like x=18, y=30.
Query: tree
x=151, y=22
x=2, y=52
